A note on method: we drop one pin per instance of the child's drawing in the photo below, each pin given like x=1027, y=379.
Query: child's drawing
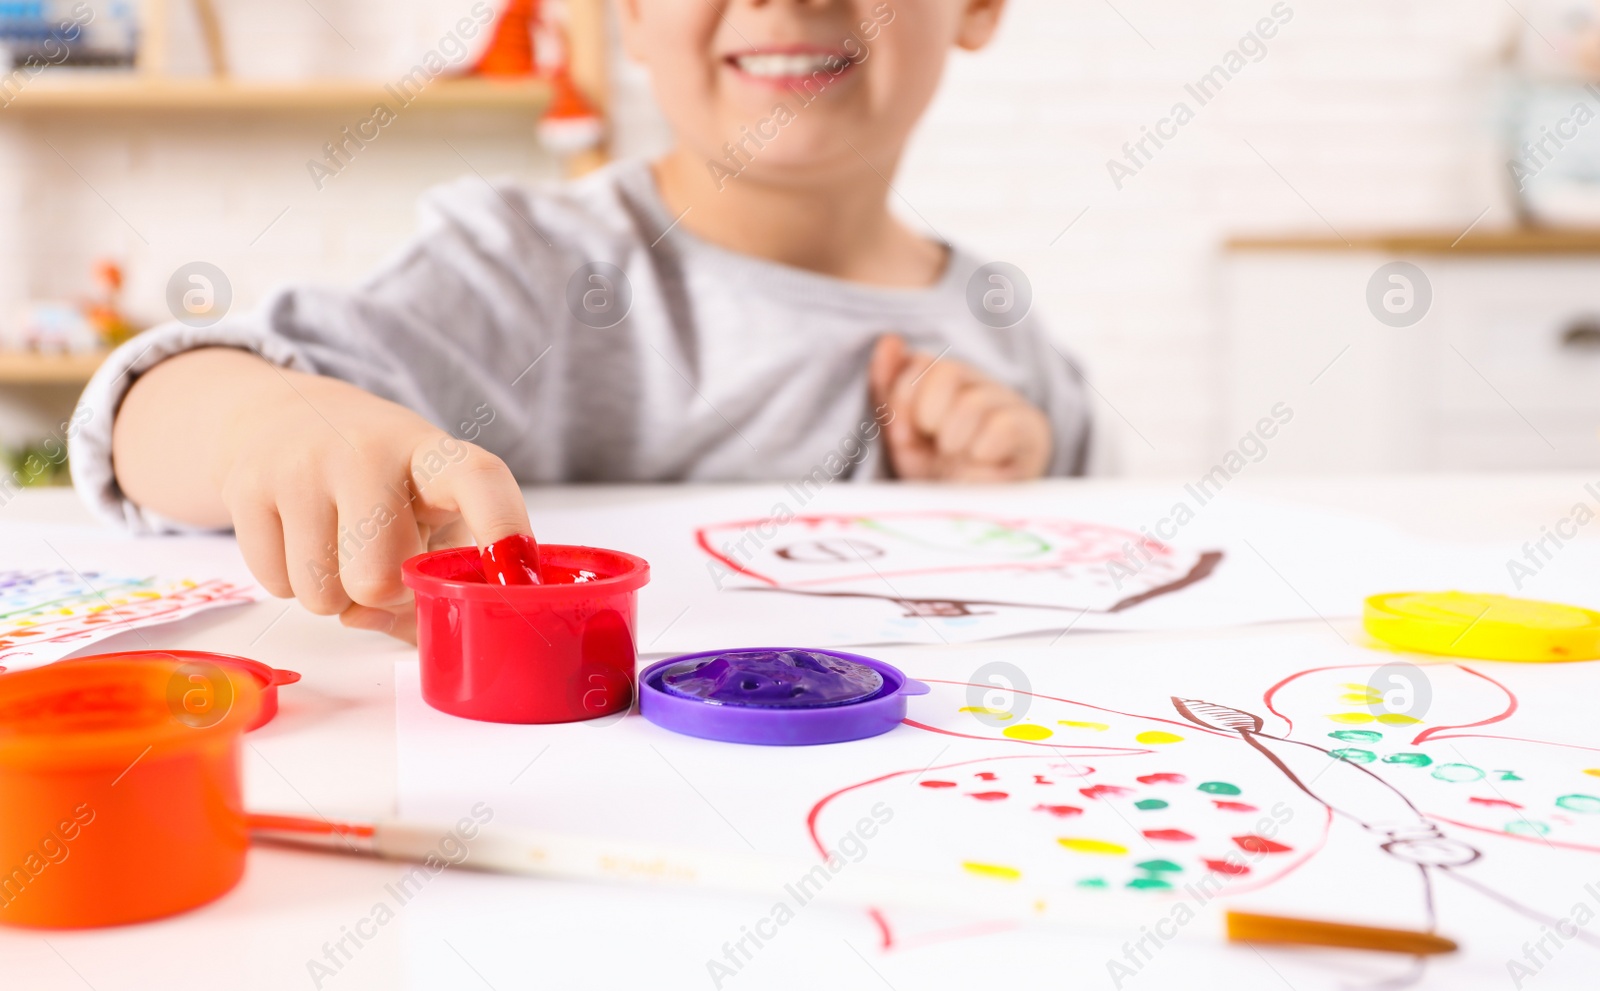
x=47, y=614
x=1434, y=803
x=953, y=564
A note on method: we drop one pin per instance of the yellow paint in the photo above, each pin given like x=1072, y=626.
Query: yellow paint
x=997, y=871
x=1592, y=771
x=1397, y=719
x=1027, y=731
x=1350, y=717
x=1092, y=846
x=1361, y=698
x=1157, y=736
x=986, y=710
x=1077, y=725
x=1355, y=687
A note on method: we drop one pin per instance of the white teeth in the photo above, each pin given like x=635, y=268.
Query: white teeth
x=787, y=66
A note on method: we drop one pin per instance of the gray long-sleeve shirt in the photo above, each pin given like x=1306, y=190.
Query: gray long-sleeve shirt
x=581, y=336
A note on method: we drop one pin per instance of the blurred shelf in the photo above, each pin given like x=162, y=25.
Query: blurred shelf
x=1504, y=241
x=33, y=368
x=133, y=92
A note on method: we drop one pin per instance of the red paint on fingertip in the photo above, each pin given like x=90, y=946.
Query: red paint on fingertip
x=512, y=560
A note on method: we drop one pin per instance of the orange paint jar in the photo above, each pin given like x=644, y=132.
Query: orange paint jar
x=119, y=790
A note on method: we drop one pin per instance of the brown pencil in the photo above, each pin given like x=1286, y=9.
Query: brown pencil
x=1252, y=928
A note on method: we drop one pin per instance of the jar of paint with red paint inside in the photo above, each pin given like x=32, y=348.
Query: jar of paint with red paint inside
x=554, y=652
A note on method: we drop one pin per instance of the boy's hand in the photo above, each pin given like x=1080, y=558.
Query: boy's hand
x=331, y=489
x=945, y=420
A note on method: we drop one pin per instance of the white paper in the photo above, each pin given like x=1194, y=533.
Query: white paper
x=1051, y=768
x=65, y=588
x=900, y=564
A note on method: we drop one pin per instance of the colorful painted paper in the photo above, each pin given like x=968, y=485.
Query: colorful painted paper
x=65, y=588
x=849, y=564
x=1298, y=775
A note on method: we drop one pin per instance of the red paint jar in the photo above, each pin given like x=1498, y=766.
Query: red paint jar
x=555, y=652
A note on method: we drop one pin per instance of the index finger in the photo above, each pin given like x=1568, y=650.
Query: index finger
x=454, y=478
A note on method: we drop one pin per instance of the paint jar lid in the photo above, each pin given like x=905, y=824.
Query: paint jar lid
x=776, y=696
x=1484, y=626
x=202, y=665
x=98, y=710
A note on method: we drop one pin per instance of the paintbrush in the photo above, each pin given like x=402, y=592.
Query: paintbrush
x=838, y=882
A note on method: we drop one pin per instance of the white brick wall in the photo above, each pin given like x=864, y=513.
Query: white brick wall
x=1376, y=111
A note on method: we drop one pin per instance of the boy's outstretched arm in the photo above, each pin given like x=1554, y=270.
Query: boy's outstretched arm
x=328, y=488
x=945, y=420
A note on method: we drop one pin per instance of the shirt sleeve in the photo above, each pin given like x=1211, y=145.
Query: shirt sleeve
x=433, y=320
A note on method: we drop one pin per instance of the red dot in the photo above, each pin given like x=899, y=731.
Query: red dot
x=937, y=784
x=1162, y=779
x=1170, y=835
x=1100, y=791
x=986, y=776
x=1227, y=867
x=1061, y=811
x=1233, y=806
x=1500, y=802
x=988, y=796
x=1252, y=843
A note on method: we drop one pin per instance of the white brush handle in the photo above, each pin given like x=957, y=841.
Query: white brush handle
x=797, y=882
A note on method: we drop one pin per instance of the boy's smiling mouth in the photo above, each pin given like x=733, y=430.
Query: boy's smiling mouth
x=789, y=67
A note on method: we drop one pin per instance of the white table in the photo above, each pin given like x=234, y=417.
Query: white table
x=331, y=750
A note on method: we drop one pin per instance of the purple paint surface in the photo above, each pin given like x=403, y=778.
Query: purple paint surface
x=778, y=679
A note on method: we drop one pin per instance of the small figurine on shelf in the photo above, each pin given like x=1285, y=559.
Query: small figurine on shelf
x=61, y=327
x=510, y=48
x=570, y=125
x=530, y=38
x=105, y=313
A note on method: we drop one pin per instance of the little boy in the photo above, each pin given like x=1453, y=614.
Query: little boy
x=738, y=310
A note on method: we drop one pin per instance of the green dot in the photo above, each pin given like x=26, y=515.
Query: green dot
x=1093, y=882
x=1458, y=773
x=1158, y=866
x=1149, y=804
x=1579, y=803
x=1356, y=735
x=1354, y=755
x=1150, y=883
x=1410, y=760
x=1219, y=788
x=1525, y=827
x=1508, y=775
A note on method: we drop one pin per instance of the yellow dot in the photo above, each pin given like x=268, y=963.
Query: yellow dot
x=1351, y=717
x=997, y=871
x=1092, y=846
x=1397, y=719
x=1361, y=698
x=1027, y=731
x=1077, y=725
x=986, y=710
x=1355, y=687
x=1157, y=736
x=1593, y=771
